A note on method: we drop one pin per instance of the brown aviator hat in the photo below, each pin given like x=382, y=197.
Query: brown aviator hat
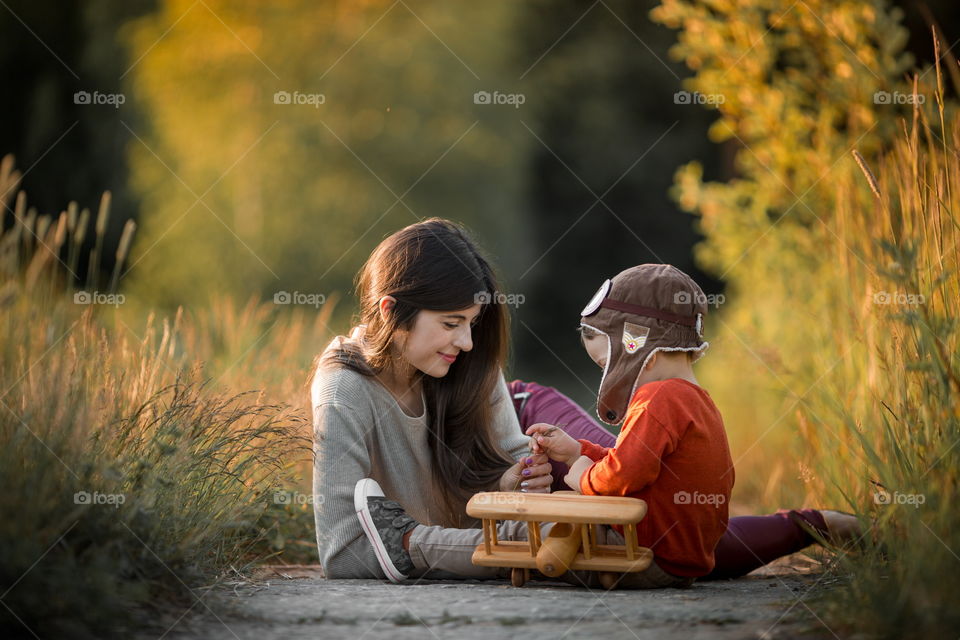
x=645, y=309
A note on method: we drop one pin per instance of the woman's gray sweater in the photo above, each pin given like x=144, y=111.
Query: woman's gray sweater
x=361, y=432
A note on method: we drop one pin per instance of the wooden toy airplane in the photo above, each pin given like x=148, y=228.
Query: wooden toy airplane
x=571, y=543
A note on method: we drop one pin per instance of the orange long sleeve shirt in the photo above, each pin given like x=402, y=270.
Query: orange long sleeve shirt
x=672, y=452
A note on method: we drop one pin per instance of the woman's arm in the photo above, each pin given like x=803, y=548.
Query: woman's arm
x=341, y=460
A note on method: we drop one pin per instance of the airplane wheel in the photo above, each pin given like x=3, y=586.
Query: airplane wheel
x=519, y=577
x=608, y=579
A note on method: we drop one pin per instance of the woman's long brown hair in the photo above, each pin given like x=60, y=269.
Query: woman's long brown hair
x=434, y=265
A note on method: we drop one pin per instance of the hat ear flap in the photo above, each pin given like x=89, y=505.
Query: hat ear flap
x=617, y=387
x=629, y=351
x=608, y=382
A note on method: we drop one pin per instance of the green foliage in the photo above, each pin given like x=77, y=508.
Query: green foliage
x=798, y=82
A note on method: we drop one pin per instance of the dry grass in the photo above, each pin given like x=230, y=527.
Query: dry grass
x=887, y=444
x=867, y=415
x=134, y=468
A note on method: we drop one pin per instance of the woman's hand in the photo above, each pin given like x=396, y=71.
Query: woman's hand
x=554, y=442
x=530, y=475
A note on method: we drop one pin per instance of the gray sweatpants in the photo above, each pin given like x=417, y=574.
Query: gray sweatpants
x=444, y=553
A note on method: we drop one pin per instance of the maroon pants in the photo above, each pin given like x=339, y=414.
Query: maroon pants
x=749, y=541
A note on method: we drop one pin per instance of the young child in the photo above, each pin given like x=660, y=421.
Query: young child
x=644, y=329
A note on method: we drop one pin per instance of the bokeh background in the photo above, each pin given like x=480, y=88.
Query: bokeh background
x=239, y=197
x=262, y=150
x=236, y=195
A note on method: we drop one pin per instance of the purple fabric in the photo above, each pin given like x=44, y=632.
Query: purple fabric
x=749, y=542
x=752, y=541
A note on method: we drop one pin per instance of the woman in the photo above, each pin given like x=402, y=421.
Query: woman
x=415, y=399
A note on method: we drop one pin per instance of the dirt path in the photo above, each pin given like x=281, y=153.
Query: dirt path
x=298, y=603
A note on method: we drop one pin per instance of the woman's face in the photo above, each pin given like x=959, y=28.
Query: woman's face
x=437, y=338
x=596, y=345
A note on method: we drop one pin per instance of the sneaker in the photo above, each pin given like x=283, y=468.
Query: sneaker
x=385, y=523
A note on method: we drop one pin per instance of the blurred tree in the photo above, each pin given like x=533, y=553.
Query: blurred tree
x=795, y=98
x=801, y=82
x=247, y=190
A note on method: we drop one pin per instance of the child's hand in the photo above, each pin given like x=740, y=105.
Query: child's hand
x=553, y=441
